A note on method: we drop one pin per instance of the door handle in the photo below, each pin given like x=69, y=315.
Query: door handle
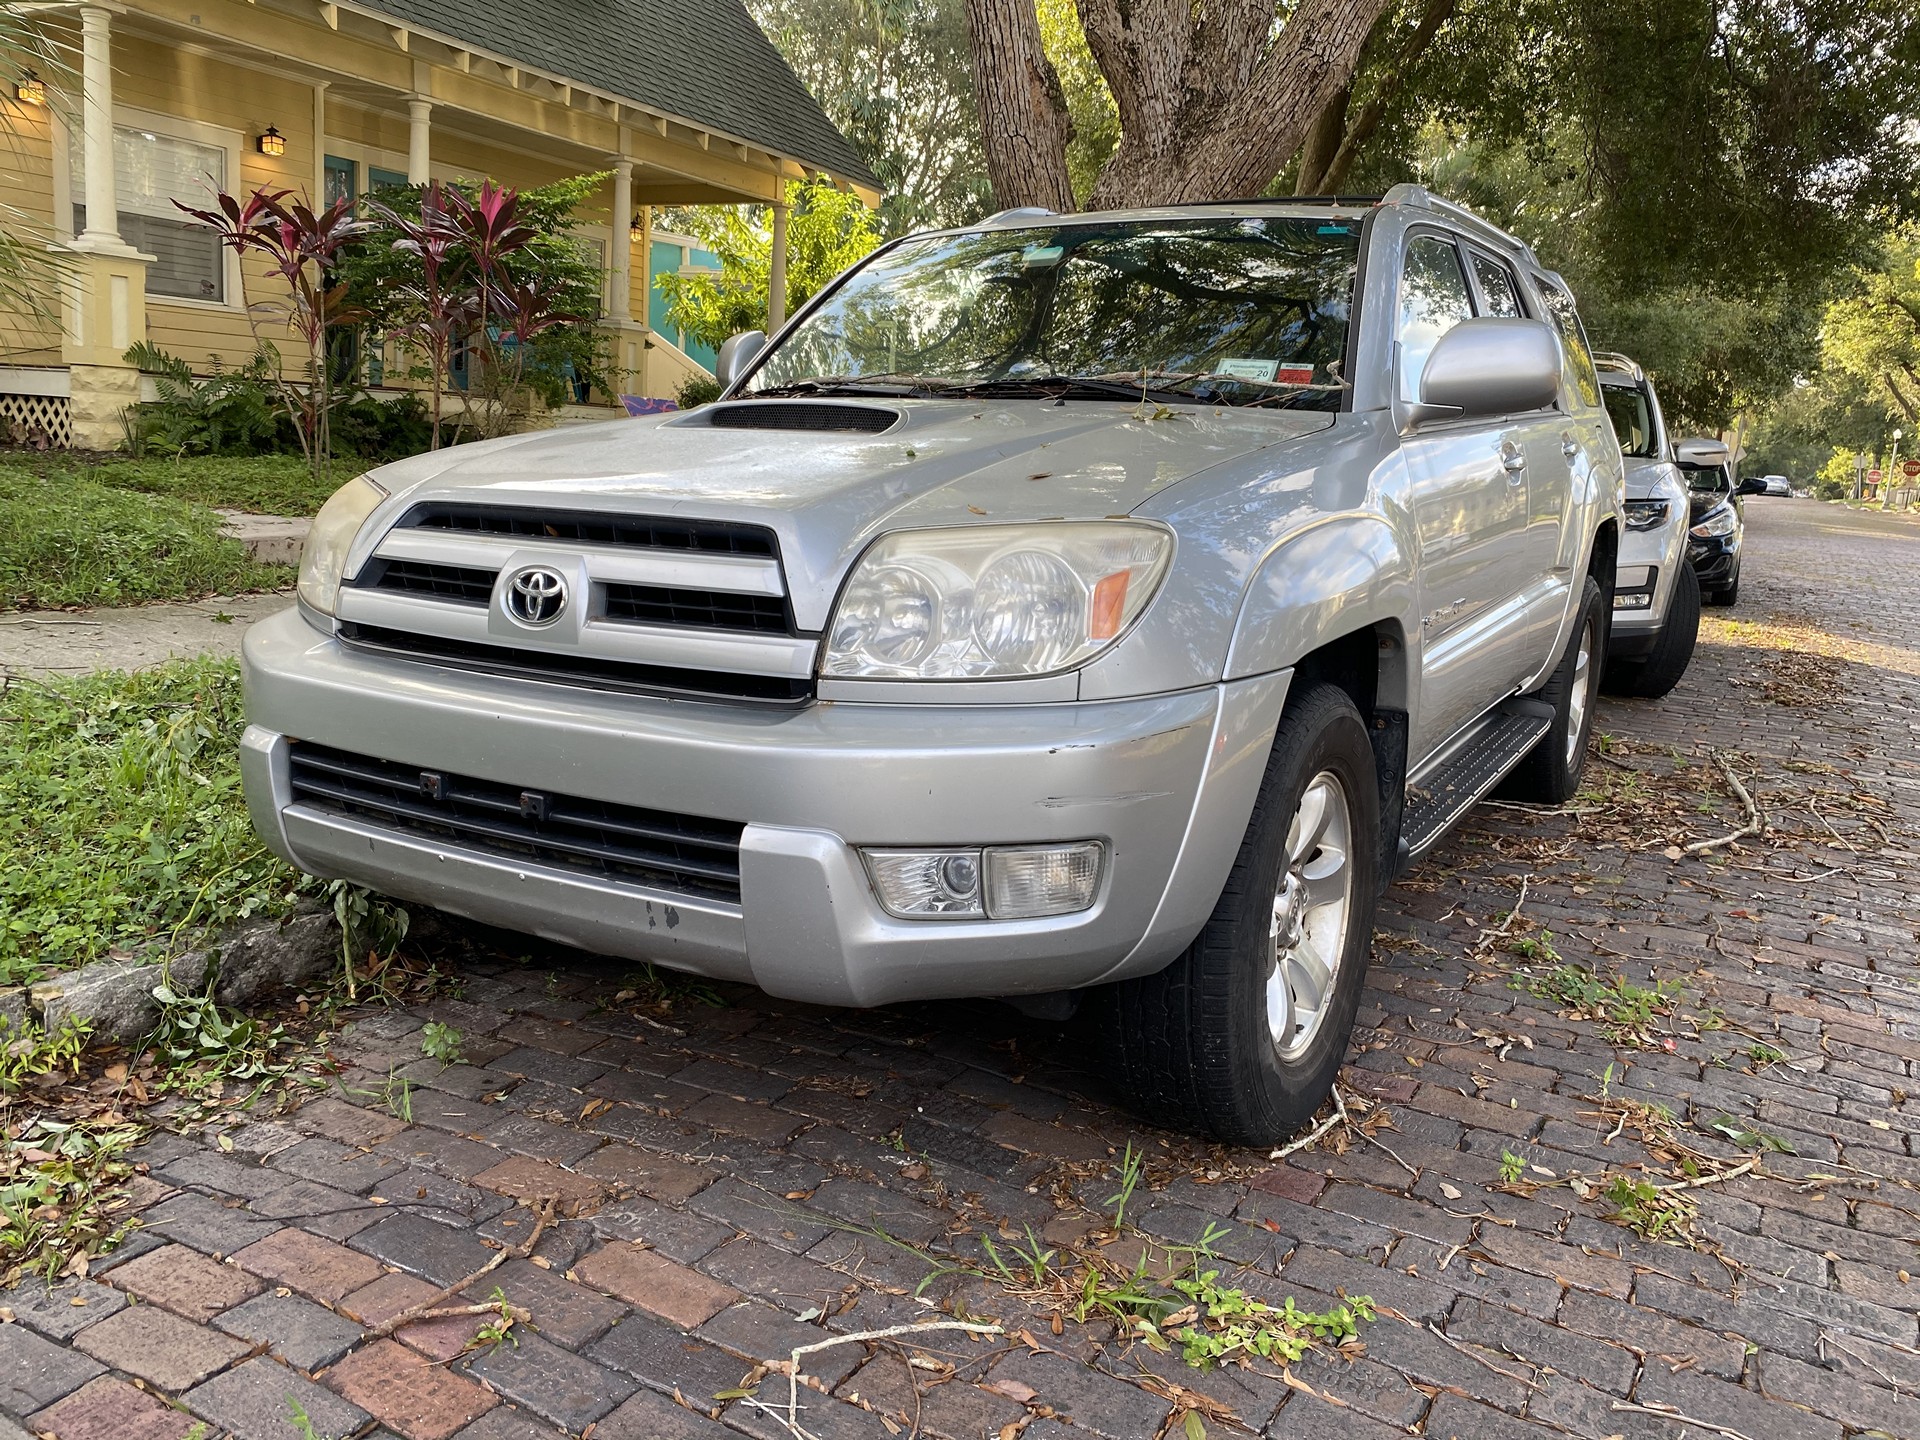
x=1569, y=446
x=1514, y=461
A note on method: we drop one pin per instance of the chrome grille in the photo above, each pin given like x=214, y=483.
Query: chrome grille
x=686, y=853
x=585, y=527
x=461, y=583
x=696, y=609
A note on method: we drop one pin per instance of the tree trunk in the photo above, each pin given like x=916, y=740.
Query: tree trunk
x=1436, y=14
x=1323, y=143
x=1023, y=111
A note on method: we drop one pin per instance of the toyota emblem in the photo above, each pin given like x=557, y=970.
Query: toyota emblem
x=537, y=595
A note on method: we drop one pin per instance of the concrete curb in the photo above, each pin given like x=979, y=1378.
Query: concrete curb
x=252, y=962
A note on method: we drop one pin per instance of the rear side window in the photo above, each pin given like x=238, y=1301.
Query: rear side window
x=1573, y=338
x=1632, y=421
x=1433, y=299
x=1499, y=292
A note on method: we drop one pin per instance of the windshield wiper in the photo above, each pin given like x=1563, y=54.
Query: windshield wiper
x=1278, y=390
x=1056, y=386
x=894, y=383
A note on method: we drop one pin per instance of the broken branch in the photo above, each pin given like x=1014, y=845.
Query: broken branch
x=1756, y=822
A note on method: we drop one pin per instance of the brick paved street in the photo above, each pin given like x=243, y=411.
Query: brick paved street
x=735, y=1181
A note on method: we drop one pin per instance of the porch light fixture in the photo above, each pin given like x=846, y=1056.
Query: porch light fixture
x=30, y=89
x=272, y=142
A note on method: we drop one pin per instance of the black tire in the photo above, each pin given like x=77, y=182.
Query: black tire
x=1192, y=1045
x=1550, y=773
x=1652, y=675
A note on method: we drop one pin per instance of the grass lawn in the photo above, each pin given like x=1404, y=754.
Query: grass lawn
x=263, y=484
x=66, y=539
x=121, y=818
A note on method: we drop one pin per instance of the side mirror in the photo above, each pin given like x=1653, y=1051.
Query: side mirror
x=1487, y=367
x=737, y=354
x=1702, y=453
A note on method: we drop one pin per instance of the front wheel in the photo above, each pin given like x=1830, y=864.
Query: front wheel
x=1650, y=676
x=1550, y=773
x=1242, y=1035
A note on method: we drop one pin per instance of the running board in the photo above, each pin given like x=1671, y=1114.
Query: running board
x=1439, y=802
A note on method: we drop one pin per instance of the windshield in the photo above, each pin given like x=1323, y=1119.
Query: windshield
x=1236, y=311
x=1632, y=421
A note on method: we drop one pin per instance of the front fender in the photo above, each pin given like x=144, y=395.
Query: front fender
x=1338, y=575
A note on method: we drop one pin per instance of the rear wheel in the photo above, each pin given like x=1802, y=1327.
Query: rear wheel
x=1550, y=773
x=1652, y=675
x=1242, y=1035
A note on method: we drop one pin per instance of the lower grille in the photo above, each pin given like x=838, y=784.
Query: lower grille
x=570, y=668
x=649, y=847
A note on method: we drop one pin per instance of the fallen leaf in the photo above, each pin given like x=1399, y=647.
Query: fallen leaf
x=1452, y=1192
x=976, y=510
x=1013, y=1390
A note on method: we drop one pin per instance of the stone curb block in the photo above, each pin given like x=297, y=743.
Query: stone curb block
x=252, y=962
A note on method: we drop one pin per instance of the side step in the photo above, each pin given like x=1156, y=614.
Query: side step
x=1441, y=799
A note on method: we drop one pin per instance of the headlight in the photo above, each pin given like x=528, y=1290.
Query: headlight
x=1717, y=522
x=990, y=601
x=323, y=562
x=1646, y=514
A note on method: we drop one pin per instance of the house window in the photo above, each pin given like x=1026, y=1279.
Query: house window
x=340, y=180
x=151, y=171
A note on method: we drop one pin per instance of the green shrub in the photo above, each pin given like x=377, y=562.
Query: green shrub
x=381, y=430
x=121, y=817
x=697, y=390
x=230, y=412
x=66, y=539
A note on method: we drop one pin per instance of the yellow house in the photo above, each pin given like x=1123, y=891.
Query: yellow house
x=685, y=103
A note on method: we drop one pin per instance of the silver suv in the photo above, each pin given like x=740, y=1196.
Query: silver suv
x=1656, y=594
x=1098, y=603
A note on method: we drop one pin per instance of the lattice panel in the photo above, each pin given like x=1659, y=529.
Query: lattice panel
x=36, y=420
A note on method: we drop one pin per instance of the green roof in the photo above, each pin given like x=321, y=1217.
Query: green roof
x=704, y=61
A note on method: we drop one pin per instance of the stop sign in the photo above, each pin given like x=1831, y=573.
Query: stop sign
x=1910, y=469
x=1873, y=476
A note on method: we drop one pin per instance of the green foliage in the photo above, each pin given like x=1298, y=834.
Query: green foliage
x=1511, y=1167
x=201, y=1045
x=1625, y=1011
x=697, y=390
x=441, y=1042
x=1873, y=332
x=827, y=230
x=1090, y=107
x=69, y=541
x=230, y=412
x=1229, y=1324
x=122, y=824
x=1131, y=1169
x=896, y=77
x=262, y=484
x=34, y=1053
x=61, y=1189
x=369, y=926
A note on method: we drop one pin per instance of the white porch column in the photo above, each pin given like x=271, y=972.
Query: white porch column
x=96, y=120
x=319, y=143
x=646, y=298
x=620, y=252
x=777, y=270
x=418, y=111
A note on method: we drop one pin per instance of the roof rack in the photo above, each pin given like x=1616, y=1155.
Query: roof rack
x=1614, y=360
x=1423, y=198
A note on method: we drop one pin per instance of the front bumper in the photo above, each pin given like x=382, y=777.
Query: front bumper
x=1643, y=586
x=1166, y=781
x=1715, y=558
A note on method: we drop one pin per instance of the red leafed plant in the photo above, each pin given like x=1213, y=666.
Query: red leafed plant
x=299, y=246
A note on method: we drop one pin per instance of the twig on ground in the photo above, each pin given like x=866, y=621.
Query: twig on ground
x=892, y=1332
x=1830, y=830
x=1339, y=1117
x=1756, y=821
x=1667, y=1412
x=1750, y=1163
x=1505, y=927
x=434, y=1308
x=1481, y=1359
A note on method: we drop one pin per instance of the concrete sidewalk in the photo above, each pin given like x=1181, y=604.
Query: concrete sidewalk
x=77, y=642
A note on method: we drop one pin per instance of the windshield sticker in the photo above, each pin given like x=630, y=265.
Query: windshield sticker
x=1294, y=374
x=1036, y=255
x=1247, y=369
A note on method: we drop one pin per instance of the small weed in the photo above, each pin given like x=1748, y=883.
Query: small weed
x=61, y=1189
x=1034, y=1263
x=1512, y=1166
x=302, y=1422
x=369, y=926
x=202, y=1047
x=395, y=1093
x=1131, y=1166
x=1762, y=1053
x=1232, y=1325
x=1654, y=1212
x=34, y=1053
x=1625, y=1011
x=657, y=991
x=1537, y=947
x=441, y=1042
x=496, y=1330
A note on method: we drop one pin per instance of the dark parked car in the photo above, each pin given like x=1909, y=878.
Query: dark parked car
x=1715, y=502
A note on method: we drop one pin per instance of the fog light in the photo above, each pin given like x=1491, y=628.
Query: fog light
x=1632, y=602
x=927, y=884
x=1029, y=881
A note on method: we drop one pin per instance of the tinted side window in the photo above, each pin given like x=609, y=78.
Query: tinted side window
x=1573, y=339
x=1497, y=286
x=1632, y=422
x=1433, y=299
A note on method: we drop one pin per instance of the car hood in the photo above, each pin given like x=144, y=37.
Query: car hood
x=828, y=492
x=1645, y=477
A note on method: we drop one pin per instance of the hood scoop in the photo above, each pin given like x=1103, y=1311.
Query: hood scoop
x=801, y=415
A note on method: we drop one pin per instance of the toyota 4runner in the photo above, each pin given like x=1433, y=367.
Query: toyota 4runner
x=1101, y=603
